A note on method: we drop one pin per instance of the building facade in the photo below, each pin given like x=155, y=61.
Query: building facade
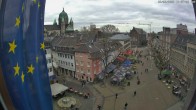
x=138, y=37
x=167, y=38
x=88, y=63
x=64, y=26
x=91, y=59
x=183, y=55
x=48, y=53
x=64, y=54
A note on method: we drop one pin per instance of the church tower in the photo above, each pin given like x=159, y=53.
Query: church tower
x=62, y=25
x=71, y=23
x=63, y=21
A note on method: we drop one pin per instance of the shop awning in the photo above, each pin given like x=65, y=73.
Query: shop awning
x=57, y=88
x=110, y=67
x=132, y=57
x=120, y=59
x=101, y=75
x=166, y=72
x=52, y=77
x=128, y=52
x=127, y=63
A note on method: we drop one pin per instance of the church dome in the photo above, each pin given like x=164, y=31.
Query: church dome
x=63, y=15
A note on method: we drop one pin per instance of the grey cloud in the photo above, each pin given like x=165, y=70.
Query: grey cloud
x=125, y=12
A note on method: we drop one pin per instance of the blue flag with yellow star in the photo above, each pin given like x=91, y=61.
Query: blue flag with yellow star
x=22, y=54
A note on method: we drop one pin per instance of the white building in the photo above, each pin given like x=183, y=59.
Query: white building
x=49, y=60
x=63, y=54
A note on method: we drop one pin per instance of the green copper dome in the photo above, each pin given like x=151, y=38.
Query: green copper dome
x=63, y=15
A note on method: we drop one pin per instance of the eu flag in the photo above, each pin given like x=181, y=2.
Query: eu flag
x=22, y=54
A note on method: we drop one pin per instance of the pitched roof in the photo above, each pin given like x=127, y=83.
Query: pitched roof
x=52, y=27
x=96, y=49
x=181, y=41
x=139, y=30
x=65, y=41
x=120, y=37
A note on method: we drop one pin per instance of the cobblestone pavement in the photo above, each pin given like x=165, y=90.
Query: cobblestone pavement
x=152, y=94
x=84, y=104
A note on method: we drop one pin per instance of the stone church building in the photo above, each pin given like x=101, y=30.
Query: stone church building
x=64, y=26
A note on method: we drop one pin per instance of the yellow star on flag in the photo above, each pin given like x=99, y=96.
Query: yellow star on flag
x=22, y=77
x=34, y=1
x=30, y=69
x=42, y=46
x=12, y=46
x=17, y=24
x=23, y=7
x=16, y=69
x=39, y=5
x=37, y=59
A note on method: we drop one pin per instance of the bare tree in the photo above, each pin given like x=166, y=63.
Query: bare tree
x=84, y=29
x=109, y=29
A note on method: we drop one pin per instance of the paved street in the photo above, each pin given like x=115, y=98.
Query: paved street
x=152, y=94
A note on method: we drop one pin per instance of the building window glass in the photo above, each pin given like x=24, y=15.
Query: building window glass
x=80, y=54
x=49, y=60
x=72, y=64
x=71, y=57
x=81, y=63
x=88, y=71
x=88, y=64
x=82, y=70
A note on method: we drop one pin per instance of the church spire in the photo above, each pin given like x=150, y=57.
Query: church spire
x=54, y=23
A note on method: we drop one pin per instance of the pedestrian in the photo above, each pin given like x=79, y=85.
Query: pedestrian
x=126, y=105
x=134, y=93
x=99, y=107
x=88, y=95
x=138, y=82
x=116, y=95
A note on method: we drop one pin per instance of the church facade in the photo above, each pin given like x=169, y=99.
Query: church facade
x=64, y=26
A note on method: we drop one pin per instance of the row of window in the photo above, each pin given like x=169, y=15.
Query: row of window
x=81, y=63
x=50, y=69
x=191, y=50
x=81, y=70
x=65, y=55
x=49, y=61
x=65, y=63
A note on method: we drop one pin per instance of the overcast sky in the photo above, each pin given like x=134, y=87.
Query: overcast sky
x=118, y=12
